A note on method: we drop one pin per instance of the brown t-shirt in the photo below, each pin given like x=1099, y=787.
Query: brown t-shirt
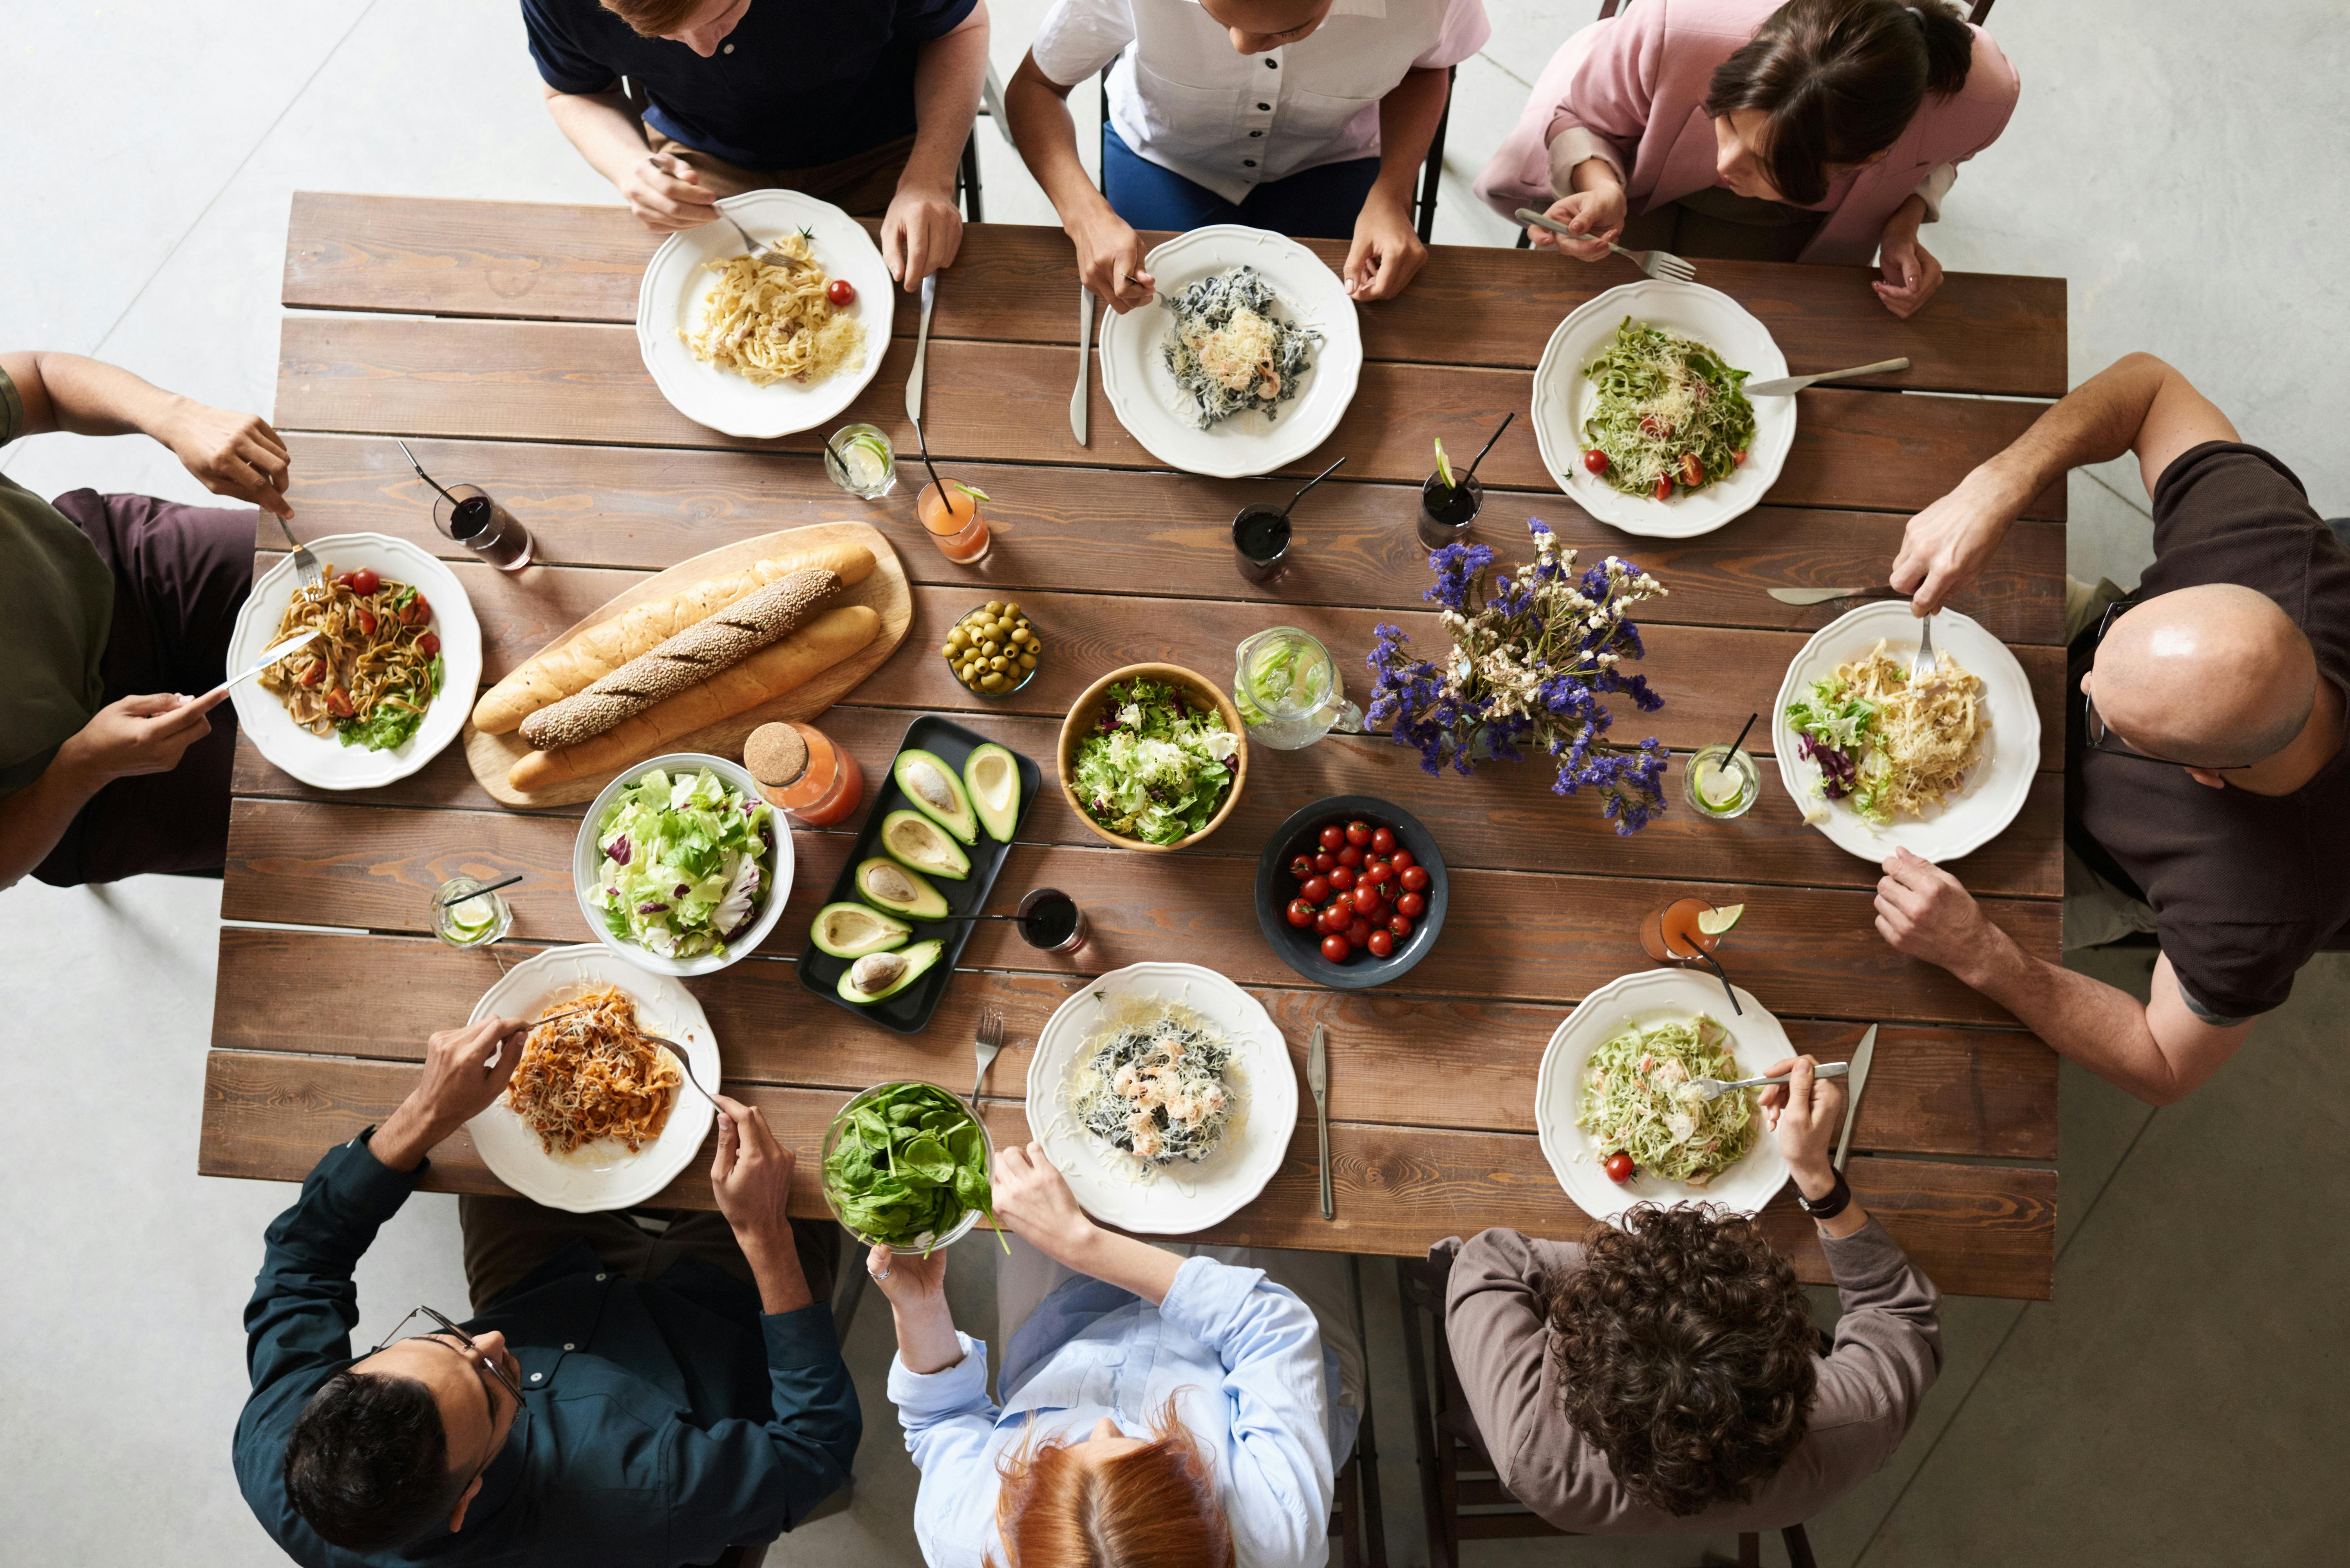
x=56, y=605
x=2245, y=886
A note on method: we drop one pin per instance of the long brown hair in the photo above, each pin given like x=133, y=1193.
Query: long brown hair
x=1839, y=80
x=1154, y=1507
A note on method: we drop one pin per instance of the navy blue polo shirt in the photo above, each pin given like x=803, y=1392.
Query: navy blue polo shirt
x=798, y=83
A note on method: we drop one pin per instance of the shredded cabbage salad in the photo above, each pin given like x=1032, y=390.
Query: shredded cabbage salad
x=684, y=865
x=1636, y=1098
x=1153, y=769
x=1661, y=399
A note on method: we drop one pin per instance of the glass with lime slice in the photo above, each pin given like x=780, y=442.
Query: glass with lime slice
x=860, y=460
x=473, y=921
x=1721, y=782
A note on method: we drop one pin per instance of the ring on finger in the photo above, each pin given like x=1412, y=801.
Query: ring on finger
x=878, y=1273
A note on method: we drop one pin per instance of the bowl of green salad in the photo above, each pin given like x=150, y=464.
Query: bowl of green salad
x=680, y=865
x=1153, y=757
x=905, y=1165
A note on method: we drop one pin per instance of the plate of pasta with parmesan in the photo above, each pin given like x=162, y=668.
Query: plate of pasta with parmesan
x=385, y=684
x=764, y=345
x=598, y=1114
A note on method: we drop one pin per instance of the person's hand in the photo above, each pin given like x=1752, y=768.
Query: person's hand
x=1946, y=545
x=231, y=454
x=666, y=194
x=1807, y=1113
x=1598, y=213
x=910, y=1280
x=464, y=1070
x=145, y=734
x=920, y=234
x=1387, y=252
x=1924, y=912
x=1034, y=1202
x=751, y=1175
x=1911, y=273
x=1109, y=260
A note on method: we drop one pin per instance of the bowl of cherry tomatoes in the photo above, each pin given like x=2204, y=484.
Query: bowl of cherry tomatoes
x=1350, y=892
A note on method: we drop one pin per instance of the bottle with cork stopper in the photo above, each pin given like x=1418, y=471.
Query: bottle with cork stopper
x=800, y=771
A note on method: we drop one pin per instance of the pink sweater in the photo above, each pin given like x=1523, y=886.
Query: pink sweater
x=1632, y=89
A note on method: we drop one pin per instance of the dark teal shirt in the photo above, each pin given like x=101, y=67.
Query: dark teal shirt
x=660, y=1424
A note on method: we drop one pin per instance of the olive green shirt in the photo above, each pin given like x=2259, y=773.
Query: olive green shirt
x=56, y=605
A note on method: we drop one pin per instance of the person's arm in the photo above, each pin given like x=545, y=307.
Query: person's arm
x=2136, y=404
x=139, y=734
x=1807, y=1113
x=1495, y=1322
x=2158, y=1050
x=1388, y=249
x=1594, y=132
x=231, y=454
x=664, y=195
x=1911, y=273
x=1109, y=254
x=1033, y=1200
x=922, y=230
x=938, y=1382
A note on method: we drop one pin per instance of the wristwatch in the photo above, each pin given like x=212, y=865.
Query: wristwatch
x=1831, y=1206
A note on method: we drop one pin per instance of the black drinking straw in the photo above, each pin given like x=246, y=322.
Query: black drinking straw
x=485, y=888
x=1310, y=484
x=1741, y=735
x=1714, y=964
x=924, y=442
x=1488, y=446
x=422, y=475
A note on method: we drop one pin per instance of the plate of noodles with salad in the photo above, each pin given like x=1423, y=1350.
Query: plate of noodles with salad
x=1163, y=1093
x=1640, y=411
x=1939, y=767
x=598, y=1115
x=1613, y=1082
x=387, y=683
x=765, y=348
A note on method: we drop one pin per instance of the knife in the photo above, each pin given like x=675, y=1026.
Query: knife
x=1822, y=595
x=922, y=349
x=269, y=655
x=1318, y=1078
x=1788, y=386
x=1085, y=355
x=1854, y=1082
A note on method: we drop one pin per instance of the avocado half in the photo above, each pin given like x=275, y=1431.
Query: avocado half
x=912, y=839
x=852, y=931
x=935, y=791
x=886, y=885
x=889, y=972
x=991, y=776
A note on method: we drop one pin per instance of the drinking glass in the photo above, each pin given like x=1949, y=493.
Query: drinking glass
x=473, y=922
x=1722, y=783
x=1446, y=511
x=1050, y=920
x=1289, y=692
x=860, y=460
x=1669, y=932
x=952, y=515
x=468, y=514
x=1261, y=537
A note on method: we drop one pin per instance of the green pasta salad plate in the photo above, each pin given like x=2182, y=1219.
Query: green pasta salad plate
x=1640, y=409
x=1612, y=1093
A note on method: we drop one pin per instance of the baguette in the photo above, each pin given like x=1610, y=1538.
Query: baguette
x=772, y=671
x=693, y=655
x=558, y=673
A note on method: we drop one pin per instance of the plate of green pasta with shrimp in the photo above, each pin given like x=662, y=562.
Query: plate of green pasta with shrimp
x=1640, y=409
x=1615, y=1110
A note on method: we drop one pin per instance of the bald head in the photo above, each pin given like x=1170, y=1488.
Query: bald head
x=2215, y=676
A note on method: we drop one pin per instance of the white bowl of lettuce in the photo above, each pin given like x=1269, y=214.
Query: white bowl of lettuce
x=681, y=866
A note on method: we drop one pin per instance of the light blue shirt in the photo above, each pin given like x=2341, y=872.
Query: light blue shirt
x=1241, y=1357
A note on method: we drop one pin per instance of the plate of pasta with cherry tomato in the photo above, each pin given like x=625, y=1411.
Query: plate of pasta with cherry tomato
x=1350, y=892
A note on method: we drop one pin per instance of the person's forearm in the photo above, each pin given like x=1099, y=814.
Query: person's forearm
x=1903, y=223
x=926, y=1335
x=1817, y=1182
x=2081, y=1019
x=1408, y=121
x=1130, y=1264
x=949, y=72
x=1594, y=175
x=34, y=818
x=775, y=1262
x=2094, y=422
x=86, y=397
x=1047, y=139
x=606, y=131
x=407, y=1136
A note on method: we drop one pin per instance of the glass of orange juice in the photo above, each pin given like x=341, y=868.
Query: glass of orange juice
x=950, y=510
x=1687, y=932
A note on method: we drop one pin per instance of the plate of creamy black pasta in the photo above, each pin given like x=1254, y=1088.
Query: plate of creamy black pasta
x=1163, y=1093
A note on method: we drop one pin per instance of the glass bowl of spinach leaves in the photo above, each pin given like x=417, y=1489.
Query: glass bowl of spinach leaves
x=905, y=1166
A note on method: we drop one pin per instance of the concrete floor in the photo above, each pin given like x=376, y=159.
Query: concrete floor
x=2182, y=1399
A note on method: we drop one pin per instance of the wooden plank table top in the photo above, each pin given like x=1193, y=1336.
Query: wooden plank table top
x=493, y=337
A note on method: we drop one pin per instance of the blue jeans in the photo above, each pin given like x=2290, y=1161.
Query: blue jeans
x=1322, y=202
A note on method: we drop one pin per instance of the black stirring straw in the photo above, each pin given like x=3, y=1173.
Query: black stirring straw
x=1488, y=446
x=1310, y=484
x=487, y=888
x=1735, y=744
x=1714, y=964
x=924, y=442
x=429, y=480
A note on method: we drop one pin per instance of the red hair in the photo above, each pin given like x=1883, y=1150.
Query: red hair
x=1151, y=1507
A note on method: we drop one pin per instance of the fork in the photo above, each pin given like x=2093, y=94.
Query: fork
x=765, y=254
x=677, y=1054
x=1923, y=668
x=306, y=565
x=1656, y=264
x=1710, y=1089
x=988, y=1039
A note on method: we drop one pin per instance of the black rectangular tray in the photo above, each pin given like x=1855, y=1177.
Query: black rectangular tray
x=909, y=1012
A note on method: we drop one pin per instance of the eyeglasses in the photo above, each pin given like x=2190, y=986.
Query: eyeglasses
x=2101, y=738
x=473, y=1352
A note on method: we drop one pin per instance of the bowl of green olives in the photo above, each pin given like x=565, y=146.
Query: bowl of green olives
x=993, y=650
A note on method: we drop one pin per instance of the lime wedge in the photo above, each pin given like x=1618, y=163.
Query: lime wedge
x=1715, y=922
x=473, y=916
x=1443, y=466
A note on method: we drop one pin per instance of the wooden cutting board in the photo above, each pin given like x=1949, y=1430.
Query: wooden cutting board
x=489, y=756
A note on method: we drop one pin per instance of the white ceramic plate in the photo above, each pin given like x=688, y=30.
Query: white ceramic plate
x=323, y=761
x=1994, y=789
x=1563, y=398
x=676, y=280
x=587, y=857
x=1653, y=996
x=1142, y=393
x=1184, y=1198
x=603, y=1174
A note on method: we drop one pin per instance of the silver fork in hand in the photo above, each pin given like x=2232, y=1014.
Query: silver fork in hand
x=306, y=565
x=987, y=1041
x=1656, y=264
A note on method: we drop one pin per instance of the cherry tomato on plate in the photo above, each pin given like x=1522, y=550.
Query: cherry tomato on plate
x=1402, y=859
x=1414, y=879
x=339, y=704
x=1738, y=457
x=1412, y=904
x=1359, y=934
x=1381, y=944
x=1336, y=948
x=1333, y=838
x=418, y=611
x=365, y=581
x=430, y=643
x=1618, y=1166
x=1351, y=857
x=1664, y=488
x=1358, y=833
x=1322, y=922
x=1342, y=878
x=1302, y=868
x=316, y=673
x=1692, y=470
x=1383, y=841
x=1399, y=925
x=1326, y=862
x=1378, y=871
x=1301, y=913
x=1367, y=902
x=1595, y=461
x=366, y=621
x=842, y=292
x=344, y=579
x=1316, y=889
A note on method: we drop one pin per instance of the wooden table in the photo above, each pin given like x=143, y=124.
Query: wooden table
x=496, y=337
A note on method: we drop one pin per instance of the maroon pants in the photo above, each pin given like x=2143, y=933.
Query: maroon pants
x=180, y=575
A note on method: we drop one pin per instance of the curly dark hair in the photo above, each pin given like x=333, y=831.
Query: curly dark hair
x=1686, y=1350
x=367, y=1465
